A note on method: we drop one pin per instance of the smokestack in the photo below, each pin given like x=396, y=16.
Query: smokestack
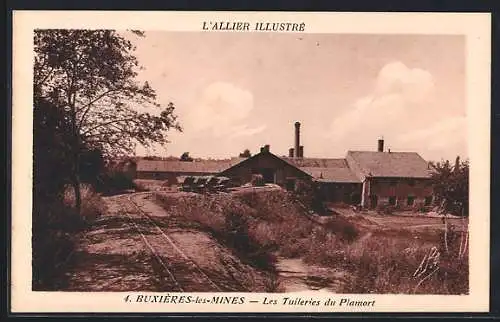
x=381, y=145
x=297, y=139
x=267, y=148
x=301, y=151
x=290, y=152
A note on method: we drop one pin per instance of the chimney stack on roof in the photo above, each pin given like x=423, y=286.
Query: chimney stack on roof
x=297, y=139
x=290, y=152
x=380, y=145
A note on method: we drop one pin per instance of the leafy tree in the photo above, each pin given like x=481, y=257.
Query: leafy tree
x=91, y=75
x=245, y=154
x=185, y=157
x=51, y=157
x=451, y=186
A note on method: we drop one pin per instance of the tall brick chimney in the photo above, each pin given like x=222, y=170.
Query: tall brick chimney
x=297, y=140
x=380, y=145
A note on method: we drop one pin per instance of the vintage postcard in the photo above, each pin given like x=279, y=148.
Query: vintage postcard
x=250, y=162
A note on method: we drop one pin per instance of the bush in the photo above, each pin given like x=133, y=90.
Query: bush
x=341, y=227
x=385, y=209
x=383, y=264
x=114, y=181
x=257, y=180
x=55, y=227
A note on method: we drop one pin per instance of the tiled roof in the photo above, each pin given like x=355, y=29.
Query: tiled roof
x=203, y=166
x=338, y=174
x=325, y=170
x=390, y=164
x=243, y=161
x=316, y=162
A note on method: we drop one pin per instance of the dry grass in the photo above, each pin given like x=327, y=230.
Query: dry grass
x=382, y=264
x=55, y=227
x=92, y=204
x=154, y=185
x=378, y=259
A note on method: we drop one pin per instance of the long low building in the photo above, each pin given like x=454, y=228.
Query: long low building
x=367, y=178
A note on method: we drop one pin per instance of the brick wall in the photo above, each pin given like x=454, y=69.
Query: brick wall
x=403, y=193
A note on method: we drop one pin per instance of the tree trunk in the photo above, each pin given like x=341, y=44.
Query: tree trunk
x=78, y=195
x=76, y=156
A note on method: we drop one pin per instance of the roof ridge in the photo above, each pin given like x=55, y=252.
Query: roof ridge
x=363, y=151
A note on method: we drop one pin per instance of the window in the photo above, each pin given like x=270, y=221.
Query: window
x=392, y=201
x=428, y=201
x=410, y=201
x=290, y=184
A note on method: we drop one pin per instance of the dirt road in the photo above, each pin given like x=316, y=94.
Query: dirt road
x=137, y=246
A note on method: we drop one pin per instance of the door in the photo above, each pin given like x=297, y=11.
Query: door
x=373, y=201
x=268, y=175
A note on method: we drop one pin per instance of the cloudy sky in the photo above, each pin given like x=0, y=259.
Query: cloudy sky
x=242, y=90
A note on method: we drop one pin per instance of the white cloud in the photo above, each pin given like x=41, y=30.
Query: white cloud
x=243, y=130
x=441, y=136
x=222, y=109
x=435, y=130
x=399, y=94
x=413, y=84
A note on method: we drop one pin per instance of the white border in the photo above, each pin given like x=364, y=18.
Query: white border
x=476, y=28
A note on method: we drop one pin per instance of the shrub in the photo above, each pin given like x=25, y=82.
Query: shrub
x=257, y=180
x=383, y=264
x=385, y=209
x=54, y=230
x=114, y=181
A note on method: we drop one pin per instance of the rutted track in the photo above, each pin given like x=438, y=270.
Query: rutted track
x=180, y=270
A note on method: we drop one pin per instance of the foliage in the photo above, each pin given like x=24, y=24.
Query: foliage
x=86, y=111
x=50, y=153
x=307, y=193
x=54, y=230
x=372, y=260
x=257, y=180
x=92, y=74
x=90, y=77
x=185, y=157
x=451, y=186
x=245, y=154
x=114, y=181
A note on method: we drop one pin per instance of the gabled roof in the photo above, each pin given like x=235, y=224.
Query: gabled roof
x=340, y=175
x=389, y=164
x=204, y=166
x=317, y=162
x=261, y=154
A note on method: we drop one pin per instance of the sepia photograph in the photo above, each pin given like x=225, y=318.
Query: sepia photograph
x=228, y=160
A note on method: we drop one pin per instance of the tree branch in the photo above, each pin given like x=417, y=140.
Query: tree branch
x=88, y=106
x=108, y=123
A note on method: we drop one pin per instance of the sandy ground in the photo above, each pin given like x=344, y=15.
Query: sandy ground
x=113, y=256
x=297, y=276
